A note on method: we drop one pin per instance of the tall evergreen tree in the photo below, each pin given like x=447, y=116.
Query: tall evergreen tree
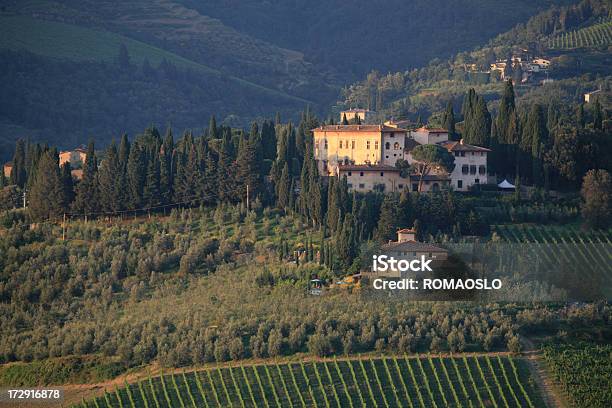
x=47, y=195
x=282, y=188
x=18, y=172
x=210, y=185
x=346, y=241
x=537, y=134
x=247, y=171
x=151, y=193
x=136, y=175
x=386, y=229
x=449, y=120
x=166, y=169
x=108, y=180
x=226, y=180
x=67, y=185
x=212, y=128
x=86, y=200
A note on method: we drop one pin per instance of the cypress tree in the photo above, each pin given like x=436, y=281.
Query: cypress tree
x=537, y=135
x=315, y=204
x=580, y=120
x=212, y=128
x=47, y=195
x=597, y=115
x=108, y=179
x=67, y=185
x=387, y=223
x=151, y=194
x=282, y=188
x=166, y=171
x=136, y=175
x=449, y=120
x=247, y=171
x=86, y=200
x=210, y=185
x=346, y=243
x=344, y=120
x=18, y=172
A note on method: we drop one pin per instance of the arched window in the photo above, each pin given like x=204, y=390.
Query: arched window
x=396, y=146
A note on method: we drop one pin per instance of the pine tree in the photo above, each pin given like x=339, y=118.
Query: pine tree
x=47, y=195
x=225, y=173
x=86, y=200
x=18, y=172
x=108, y=179
x=188, y=174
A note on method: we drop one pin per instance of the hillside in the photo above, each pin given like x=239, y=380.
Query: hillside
x=575, y=39
x=241, y=61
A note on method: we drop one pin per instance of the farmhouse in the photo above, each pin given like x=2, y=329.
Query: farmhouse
x=7, y=168
x=75, y=157
x=407, y=248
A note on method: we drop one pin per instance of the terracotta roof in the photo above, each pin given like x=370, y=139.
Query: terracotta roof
x=458, y=146
x=366, y=167
x=8, y=164
x=412, y=246
x=432, y=130
x=358, y=128
x=406, y=230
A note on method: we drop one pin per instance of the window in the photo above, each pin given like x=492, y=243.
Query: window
x=361, y=185
x=376, y=145
x=462, y=154
x=472, y=153
x=325, y=144
x=472, y=169
x=340, y=144
x=426, y=182
x=396, y=146
x=456, y=154
x=368, y=144
x=477, y=181
x=465, y=169
x=350, y=185
x=414, y=253
x=387, y=145
x=400, y=186
x=482, y=169
x=352, y=144
x=415, y=187
x=350, y=173
x=459, y=183
x=382, y=173
x=361, y=174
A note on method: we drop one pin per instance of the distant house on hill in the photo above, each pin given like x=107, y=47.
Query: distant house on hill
x=7, y=168
x=75, y=157
x=364, y=115
x=592, y=96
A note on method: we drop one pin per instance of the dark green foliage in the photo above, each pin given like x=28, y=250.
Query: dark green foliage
x=18, y=172
x=387, y=227
x=109, y=181
x=47, y=193
x=597, y=195
x=86, y=199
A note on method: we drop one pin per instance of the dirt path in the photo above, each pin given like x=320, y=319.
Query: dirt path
x=550, y=393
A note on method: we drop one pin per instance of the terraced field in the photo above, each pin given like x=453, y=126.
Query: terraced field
x=489, y=380
x=593, y=36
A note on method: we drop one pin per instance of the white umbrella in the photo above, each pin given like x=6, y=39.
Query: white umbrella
x=506, y=184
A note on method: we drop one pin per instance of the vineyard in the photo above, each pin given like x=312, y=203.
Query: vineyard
x=593, y=36
x=584, y=372
x=563, y=248
x=493, y=381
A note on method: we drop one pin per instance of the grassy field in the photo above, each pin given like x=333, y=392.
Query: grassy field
x=489, y=380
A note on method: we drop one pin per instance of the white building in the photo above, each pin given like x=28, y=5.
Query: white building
x=470, y=165
x=364, y=115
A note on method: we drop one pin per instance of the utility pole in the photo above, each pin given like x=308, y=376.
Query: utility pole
x=247, y=199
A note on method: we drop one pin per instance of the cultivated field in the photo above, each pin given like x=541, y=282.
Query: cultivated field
x=474, y=381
